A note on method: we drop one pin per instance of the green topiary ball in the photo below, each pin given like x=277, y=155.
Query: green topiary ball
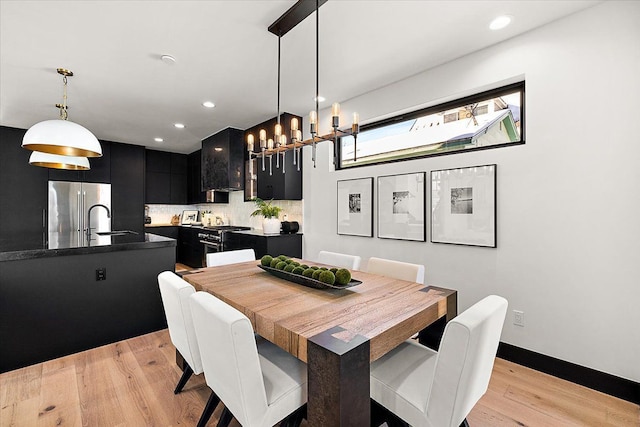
x=316, y=274
x=308, y=272
x=281, y=265
x=273, y=262
x=289, y=268
x=296, y=263
x=305, y=266
x=283, y=257
x=327, y=277
x=315, y=267
x=298, y=270
x=266, y=260
x=343, y=276
x=334, y=269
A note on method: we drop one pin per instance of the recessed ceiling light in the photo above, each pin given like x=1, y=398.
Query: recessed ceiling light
x=208, y=104
x=500, y=22
x=320, y=98
x=158, y=139
x=168, y=59
x=179, y=125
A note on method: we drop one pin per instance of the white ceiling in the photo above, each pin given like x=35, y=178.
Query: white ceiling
x=122, y=91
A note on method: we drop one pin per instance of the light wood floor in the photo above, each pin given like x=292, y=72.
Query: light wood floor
x=130, y=383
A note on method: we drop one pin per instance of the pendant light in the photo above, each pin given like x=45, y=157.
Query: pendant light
x=56, y=161
x=61, y=136
x=296, y=14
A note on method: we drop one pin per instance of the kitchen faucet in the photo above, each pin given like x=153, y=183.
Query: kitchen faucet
x=89, y=218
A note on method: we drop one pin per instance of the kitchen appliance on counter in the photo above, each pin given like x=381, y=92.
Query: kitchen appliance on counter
x=71, y=206
x=213, y=238
x=289, y=227
x=147, y=218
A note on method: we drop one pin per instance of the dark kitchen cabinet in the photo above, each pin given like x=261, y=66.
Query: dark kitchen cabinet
x=277, y=185
x=190, y=251
x=100, y=169
x=165, y=177
x=127, y=184
x=23, y=195
x=223, y=161
x=276, y=244
x=194, y=191
x=172, y=232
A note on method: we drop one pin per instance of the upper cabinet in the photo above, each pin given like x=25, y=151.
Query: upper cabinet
x=273, y=183
x=127, y=183
x=223, y=161
x=165, y=178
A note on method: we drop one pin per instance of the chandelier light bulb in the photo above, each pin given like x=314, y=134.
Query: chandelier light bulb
x=250, y=141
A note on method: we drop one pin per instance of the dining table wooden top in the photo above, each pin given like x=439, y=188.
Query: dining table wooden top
x=383, y=310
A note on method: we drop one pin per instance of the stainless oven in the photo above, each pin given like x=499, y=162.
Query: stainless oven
x=213, y=238
x=212, y=242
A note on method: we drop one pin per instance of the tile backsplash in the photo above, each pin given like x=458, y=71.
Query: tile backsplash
x=237, y=212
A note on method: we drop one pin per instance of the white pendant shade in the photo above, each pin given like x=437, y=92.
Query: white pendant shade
x=56, y=161
x=62, y=137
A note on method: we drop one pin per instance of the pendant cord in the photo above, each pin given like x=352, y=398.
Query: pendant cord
x=317, y=61
x=63, y=108
x=279, y=79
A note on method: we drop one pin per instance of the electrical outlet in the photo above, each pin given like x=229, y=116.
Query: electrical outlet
x=518, y=318
x=101, y=274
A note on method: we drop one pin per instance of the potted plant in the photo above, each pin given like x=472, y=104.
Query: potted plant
x=270, y=213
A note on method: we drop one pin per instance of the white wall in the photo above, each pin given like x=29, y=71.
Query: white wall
x=568, y=200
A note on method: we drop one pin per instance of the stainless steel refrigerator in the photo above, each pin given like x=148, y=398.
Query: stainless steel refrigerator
x=69, y=204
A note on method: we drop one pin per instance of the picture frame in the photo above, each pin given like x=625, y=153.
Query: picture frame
x=463, y=206
x=189, y=217
x=355, y=207
x=401, y=207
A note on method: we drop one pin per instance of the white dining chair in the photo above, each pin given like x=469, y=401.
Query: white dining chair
x=260, y=385
x=339, y=260
x=438, y=389
x=215, y=259
x=175, y=293
x=396, y=269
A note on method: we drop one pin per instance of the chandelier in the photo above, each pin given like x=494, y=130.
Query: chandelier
x=60, y=143
x=278, y=144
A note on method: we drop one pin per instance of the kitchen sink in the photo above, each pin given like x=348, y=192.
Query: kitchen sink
x=115, y=233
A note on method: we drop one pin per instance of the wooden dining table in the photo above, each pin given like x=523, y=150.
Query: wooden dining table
x=337, y=332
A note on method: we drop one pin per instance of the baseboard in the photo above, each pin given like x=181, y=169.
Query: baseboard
x=606, y=383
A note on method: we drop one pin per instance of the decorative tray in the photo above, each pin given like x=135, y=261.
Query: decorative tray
x=307, y=281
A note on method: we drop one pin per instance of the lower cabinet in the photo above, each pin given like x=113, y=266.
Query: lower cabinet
x=190, y=250
x=277, y=244
x=171, y=232
x=54, y=306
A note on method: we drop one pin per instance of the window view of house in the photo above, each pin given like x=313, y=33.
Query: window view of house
x=471, y=124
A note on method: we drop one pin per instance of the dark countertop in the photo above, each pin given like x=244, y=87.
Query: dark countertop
x=101, y=245
x=260, y=233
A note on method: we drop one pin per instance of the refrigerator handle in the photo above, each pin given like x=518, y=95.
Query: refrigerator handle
x=78, y=213
x=82, y=214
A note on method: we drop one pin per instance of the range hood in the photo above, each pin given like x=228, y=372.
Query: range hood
x=223, y=161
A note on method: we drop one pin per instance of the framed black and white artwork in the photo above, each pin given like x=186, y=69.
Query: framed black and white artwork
x=355, y=207
x=463, y=206
x=401, y=207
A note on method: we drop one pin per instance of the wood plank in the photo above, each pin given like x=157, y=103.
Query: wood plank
x=21, y=392
x=59, y=402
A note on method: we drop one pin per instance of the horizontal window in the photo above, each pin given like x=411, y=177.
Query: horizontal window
x=485, y=120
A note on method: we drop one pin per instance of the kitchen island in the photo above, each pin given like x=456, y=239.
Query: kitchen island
x=55, y=302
